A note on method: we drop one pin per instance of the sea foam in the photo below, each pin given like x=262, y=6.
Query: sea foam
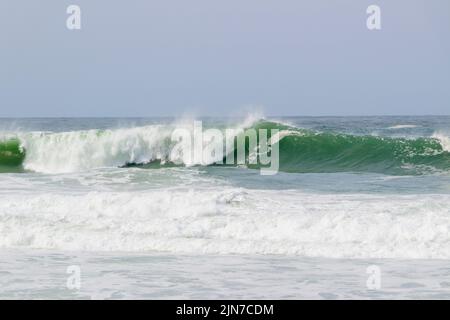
x=230, y=220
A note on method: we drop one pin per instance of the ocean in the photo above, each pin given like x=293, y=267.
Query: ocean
x=107, y=196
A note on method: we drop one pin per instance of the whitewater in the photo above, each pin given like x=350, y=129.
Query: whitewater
x=350, y=192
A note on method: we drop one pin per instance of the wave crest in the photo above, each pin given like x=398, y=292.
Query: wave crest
x=301, y=150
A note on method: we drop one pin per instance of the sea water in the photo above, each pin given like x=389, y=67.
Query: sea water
x=102, y=194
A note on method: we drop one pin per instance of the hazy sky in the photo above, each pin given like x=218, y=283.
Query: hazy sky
x=216, y=57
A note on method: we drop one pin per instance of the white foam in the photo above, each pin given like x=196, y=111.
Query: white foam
x=78, y=151
x=403, y=126
x=230, y=220
x=444, y=140
x=82, y=150
x=252, y=118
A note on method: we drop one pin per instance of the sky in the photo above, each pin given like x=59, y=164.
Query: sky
x=144, y=58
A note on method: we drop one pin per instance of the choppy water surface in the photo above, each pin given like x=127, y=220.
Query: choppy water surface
x=350, y=191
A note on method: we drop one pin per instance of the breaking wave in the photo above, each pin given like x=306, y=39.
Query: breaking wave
x=301, y=151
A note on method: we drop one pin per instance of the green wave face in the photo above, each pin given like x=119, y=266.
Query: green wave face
x=306, y=151
x=326, y=152
x=11, y=156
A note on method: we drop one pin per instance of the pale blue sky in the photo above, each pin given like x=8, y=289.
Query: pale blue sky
x=170, y=57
